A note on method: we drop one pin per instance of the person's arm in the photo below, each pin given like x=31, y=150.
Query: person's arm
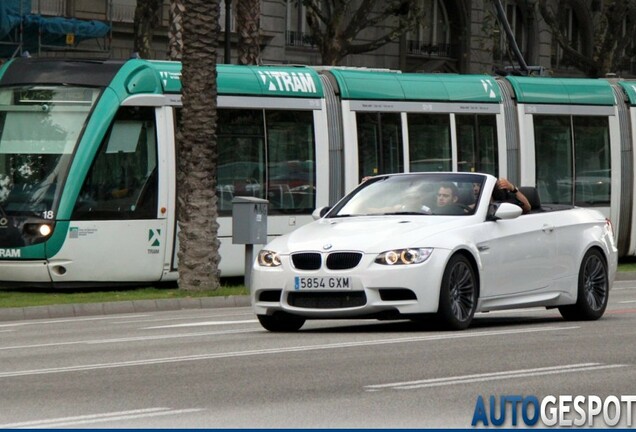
x=514, y=191
x=522, y=199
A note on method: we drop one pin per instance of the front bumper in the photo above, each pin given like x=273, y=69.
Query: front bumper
x=36, y=271
x=374, y=289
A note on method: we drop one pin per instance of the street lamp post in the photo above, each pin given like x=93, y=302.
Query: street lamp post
x=228, y=21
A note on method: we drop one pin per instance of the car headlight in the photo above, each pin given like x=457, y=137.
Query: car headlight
x=268, y=258
x=404, y=256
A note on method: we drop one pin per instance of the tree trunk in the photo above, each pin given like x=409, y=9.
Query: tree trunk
x=197, y=153
x=248, y=14
x=147, y=17
x=175, y=32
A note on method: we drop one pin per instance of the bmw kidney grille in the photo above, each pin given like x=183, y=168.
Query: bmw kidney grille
x=334, y=261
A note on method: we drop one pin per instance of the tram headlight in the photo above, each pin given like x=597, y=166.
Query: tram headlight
x=38, y=229
x=404, y=256
x=268, y=258
x=45, y=230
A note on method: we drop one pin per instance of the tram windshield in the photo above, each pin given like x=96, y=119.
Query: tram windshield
x=39, y=130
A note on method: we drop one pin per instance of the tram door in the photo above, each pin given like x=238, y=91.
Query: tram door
x=118, y=226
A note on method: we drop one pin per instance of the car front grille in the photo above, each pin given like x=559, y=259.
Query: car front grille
x=343, y=260
x=334, y=261
x=307, y=260
x=327, y=300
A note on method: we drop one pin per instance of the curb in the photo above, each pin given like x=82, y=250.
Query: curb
x=120, y=307
x=625, y=275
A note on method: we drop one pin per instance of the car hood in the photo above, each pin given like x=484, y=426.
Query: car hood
x=371, y=234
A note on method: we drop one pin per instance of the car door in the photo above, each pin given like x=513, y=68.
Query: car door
x=517, y=255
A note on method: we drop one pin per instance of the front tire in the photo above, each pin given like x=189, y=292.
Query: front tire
x=281, y=322
x=458, y=294
x=593, y=289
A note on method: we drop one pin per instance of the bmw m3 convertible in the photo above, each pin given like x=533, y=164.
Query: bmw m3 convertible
x=435, y=244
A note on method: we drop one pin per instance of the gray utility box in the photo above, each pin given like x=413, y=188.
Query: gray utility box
x=249, y=220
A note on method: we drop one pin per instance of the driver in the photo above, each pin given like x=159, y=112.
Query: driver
x=5, y=187
x=447, y=196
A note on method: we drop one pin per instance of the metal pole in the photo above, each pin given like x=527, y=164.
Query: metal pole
x=503, y=19
x=228, y=23
x=249, y=261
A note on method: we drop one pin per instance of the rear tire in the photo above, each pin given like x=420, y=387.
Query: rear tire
x=281, y=322
x=458, y=294
x=593, y=289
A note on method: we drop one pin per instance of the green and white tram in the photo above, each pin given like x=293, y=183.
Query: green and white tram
x=87, y=152
x=87, y=164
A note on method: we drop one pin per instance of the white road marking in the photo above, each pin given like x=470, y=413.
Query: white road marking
x=628, y=301
x=128, y=339
x=189, y=317
x=270, y=351
x=96, y=418
x=202, y=324
x=468, y=379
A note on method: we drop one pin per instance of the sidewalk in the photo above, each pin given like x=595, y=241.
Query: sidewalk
x=139, y=306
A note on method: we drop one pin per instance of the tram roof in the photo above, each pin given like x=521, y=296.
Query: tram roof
x=630, y=89
x=288, y=81
x=379, y=85
x=138, y=76
x=569, y=91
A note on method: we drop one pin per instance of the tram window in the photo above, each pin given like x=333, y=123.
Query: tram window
x=429, y=142
x=291, y=172
x=267, y=154
x=573, y=159
x=379, y=143
x=241, y=149
x=122, y=182
x=591, y=161
x=477, y=147
x=39, y=129
x=553, y=157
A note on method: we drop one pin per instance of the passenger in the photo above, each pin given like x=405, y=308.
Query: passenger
x=475, y=197
x=476, y=190
x=507, y=192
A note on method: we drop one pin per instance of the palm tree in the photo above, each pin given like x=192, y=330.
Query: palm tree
x=248, y=14
x=175, y=32
x=197, y=153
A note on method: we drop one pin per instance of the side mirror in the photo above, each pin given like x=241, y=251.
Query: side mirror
x=504, y=211
x=320, y=212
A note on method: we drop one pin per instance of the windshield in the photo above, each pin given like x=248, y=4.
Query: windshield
x=39, y=129
x=416, y=194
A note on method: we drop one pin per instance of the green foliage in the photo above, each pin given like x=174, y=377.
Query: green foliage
x=38, y=297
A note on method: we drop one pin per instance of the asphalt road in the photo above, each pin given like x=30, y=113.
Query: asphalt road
x=217, y=368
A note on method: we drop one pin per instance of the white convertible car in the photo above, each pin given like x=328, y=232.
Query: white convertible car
x=392, y=249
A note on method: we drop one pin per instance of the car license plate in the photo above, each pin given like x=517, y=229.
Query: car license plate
x=302, y=283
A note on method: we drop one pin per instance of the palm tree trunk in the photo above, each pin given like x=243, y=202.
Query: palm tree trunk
x=175, y=32
x=197, y=153
x=248, y=15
